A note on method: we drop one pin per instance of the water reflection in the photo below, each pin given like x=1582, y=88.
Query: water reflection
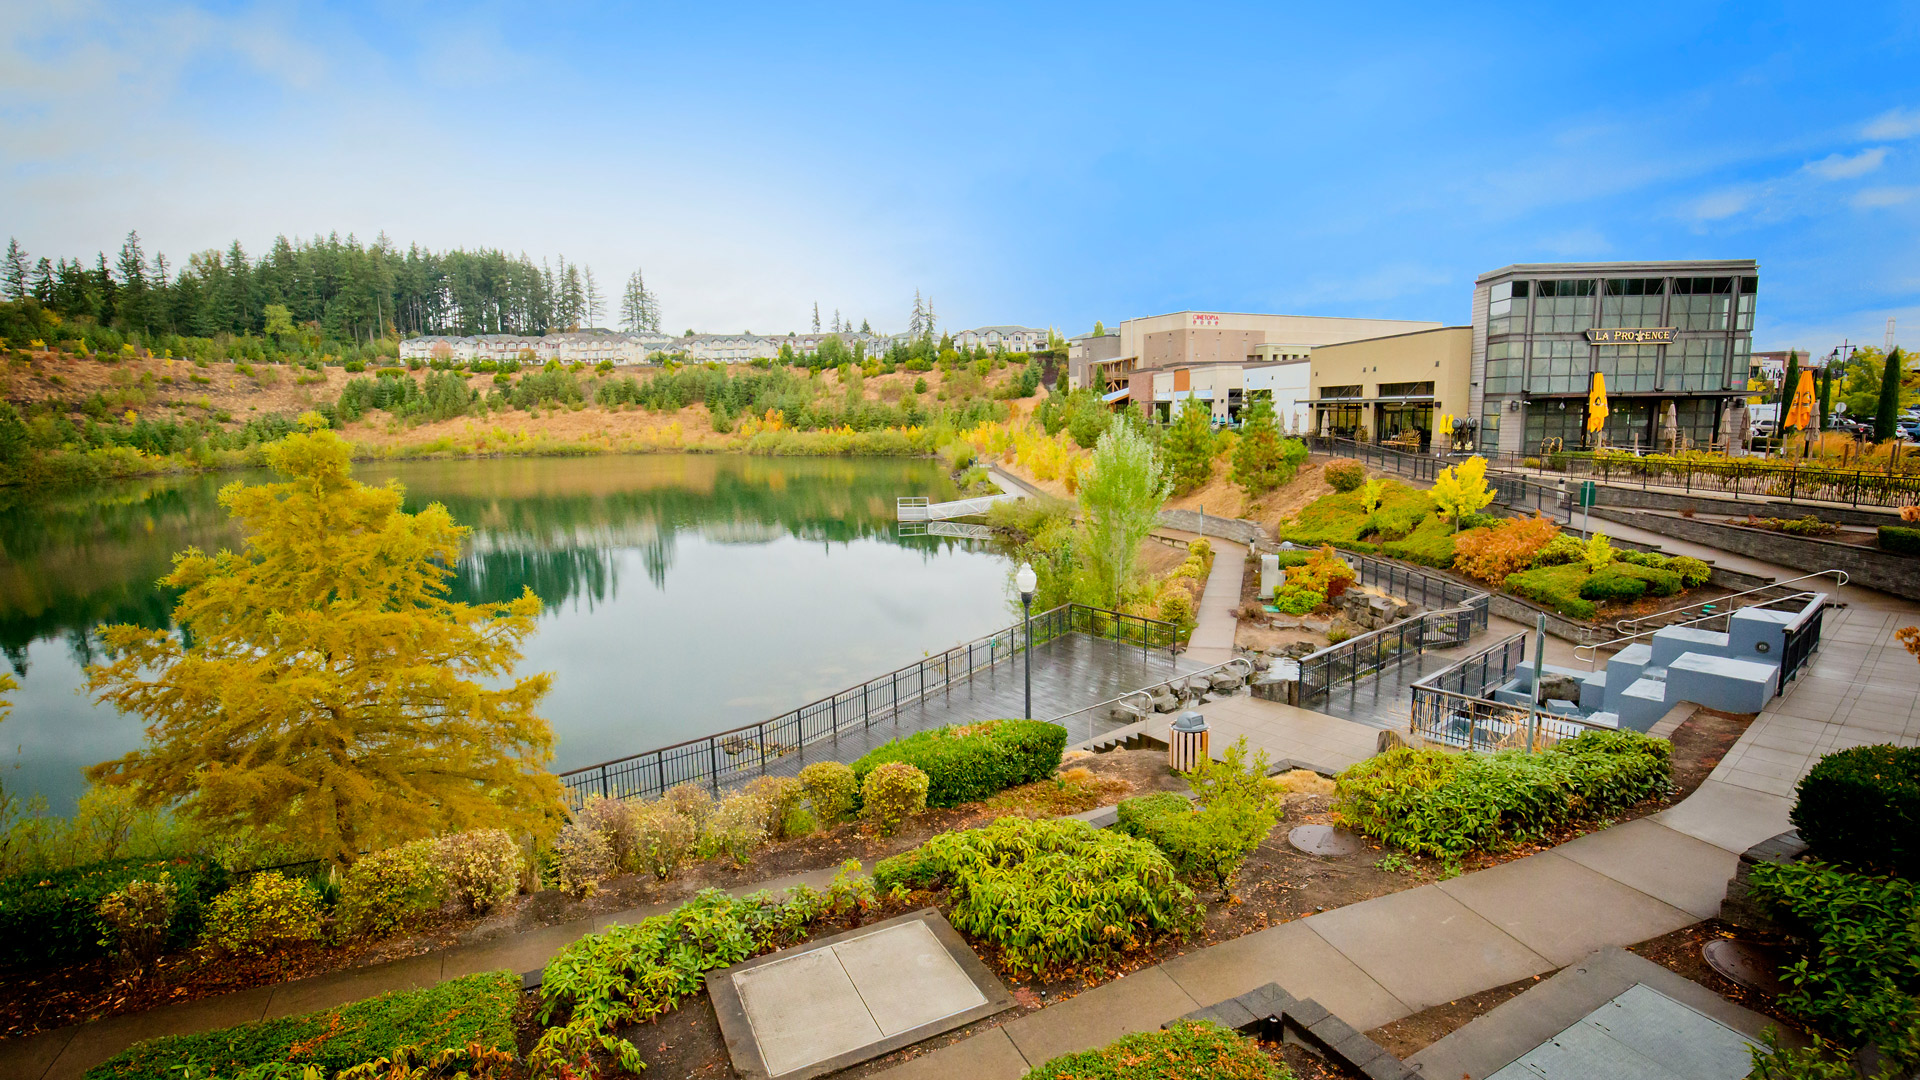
x=685, y=594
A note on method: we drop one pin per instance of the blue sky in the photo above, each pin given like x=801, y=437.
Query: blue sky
x=1042, y=165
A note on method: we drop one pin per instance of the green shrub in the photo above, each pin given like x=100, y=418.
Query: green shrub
x=627, y=974
x=1288, y=559
x=1186, y=1049
x=1693, y=572
x=1206, y=843
x=613, y=820
x=781, y=796
x=481, y=867
x=1557, y=586
x=832, y=790
x=54, y=919
x=1439, y=803
x=1294, y=600
x=1561, y=551
x=1394, y=521
x=893, y=792
x=736, y=828
x=969, y=762
x=1612, y=585
x=1899, y=539
x=1860, y=980
x=1860, y=808
x=663, y=838
x=265, y=913
x=1049, y=894
x=1642, y=558
x=582, y=859
x=474, y=1009
x=1430, y=544
x=385, y=890
x=1344, y=474
x=1342, y=519
x=139, y=919
x=1660, y=581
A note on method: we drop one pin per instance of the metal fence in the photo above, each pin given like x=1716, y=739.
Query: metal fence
x=1514, y=492
x=1449, y=706
x=714, y=760
x=1137, y=705
x=1427, y=590
x=1463, y=611
x=1790, y=482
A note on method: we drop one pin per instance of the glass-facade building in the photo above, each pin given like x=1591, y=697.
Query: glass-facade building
x=1661, y=332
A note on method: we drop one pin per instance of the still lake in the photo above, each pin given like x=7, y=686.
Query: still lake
x=684, y=594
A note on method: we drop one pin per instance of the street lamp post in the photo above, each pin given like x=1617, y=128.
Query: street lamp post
x=1025, y=581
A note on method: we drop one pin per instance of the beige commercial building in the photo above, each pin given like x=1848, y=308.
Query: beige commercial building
x=1389, y=387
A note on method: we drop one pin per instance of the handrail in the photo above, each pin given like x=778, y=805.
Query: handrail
x=1623, y=624
x=1237, y=662
x=1593, y=656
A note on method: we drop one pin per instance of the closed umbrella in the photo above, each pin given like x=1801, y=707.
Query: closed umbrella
x=1597, y=403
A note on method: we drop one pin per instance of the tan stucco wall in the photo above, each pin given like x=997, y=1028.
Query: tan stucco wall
x=1193, y=337
x=1444, y=357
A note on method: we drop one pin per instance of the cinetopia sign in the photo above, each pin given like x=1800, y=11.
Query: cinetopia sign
x=1659, y=335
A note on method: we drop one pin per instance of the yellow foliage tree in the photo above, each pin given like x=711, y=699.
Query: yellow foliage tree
x=1462, y=489
x=322, y=689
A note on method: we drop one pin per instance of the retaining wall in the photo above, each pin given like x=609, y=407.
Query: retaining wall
x=1869, y=567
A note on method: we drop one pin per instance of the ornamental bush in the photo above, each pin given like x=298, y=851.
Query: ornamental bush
x=1612, y=585
x=1558, y=587
x=832, y=790
x=1860, y=808
x=892, y=792
x=781, y=797
x=481, y=867
x=736, y=828
x=54, y=919
x=663, y=838
x=1659, y=581
x=1859, y=980
x=1296, y=600
x=383, y=891
x=1899, y=539
x=1050, y=894
x=138, y=918
x=613, y=820
x=475, y=1011
x=1693, y=572
x=1432, y=543
x=582, y=858
x=1445, y=804
x=265, y=913
x=1205, y=843
x=1344, y=474
x=1188, y=1049
x=1491, y=554
x=969, y=762
x=1560, y=551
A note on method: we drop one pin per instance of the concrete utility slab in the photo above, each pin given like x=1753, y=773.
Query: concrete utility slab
x=1490, y=1043
x=1563, y=910
x=828, y=1004
x=1641, y=1033
x=1426, y=948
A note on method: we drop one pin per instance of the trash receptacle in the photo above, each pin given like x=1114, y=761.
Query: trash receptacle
x=1187, y=742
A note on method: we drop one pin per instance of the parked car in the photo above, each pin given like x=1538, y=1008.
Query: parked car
x=1762, y=429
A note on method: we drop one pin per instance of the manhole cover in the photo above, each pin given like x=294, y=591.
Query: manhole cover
x=1755, y=967
x=1323, y=840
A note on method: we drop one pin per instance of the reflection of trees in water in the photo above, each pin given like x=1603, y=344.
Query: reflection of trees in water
x=73, y=561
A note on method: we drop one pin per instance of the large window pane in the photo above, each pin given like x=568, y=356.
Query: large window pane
x=1558, y=367
x=1629, y=368
x=1504, y=363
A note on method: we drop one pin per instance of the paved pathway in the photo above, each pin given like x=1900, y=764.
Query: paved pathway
x=1214, y=623
x=1383, y=959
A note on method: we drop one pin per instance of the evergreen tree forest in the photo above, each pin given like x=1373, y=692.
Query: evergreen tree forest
x=313, y=293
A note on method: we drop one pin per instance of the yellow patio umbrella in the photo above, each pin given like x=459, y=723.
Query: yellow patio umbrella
x=1800, y=413
x=1597, y=403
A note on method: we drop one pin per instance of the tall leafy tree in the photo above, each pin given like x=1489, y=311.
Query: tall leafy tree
x=1188, y=445
x=323, y=689
x=1462, y=489
x=1120, y=498
x=1886, y=414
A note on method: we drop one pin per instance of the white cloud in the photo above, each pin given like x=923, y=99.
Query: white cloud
x=1720, y=205
x=1894, y=124
x=1879, y=197
x=1845, y=167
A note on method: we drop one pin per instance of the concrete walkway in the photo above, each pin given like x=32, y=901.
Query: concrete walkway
x=1310, y=739
x=1383, y=959
x=67, y=1053
x=1214, y=623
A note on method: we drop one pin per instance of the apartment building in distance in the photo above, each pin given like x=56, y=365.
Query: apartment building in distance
x=1013, y=339
x=586, y=346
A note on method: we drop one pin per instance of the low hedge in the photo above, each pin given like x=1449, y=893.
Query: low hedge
x=1187, y=1049
x=1610, y=584
x=1205, y=843
x=50, y=920
x=473, y=1009
x=1900, y=539
x=1660, y=580
x=969, y=762
x=1861, y=808
x=1558, y=587
x=1446, y=804
x=1430, y=544
x=1049, y=894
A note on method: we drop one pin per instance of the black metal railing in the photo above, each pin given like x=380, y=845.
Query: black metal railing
x=713, y=760
x=1781, y=480
x=1427, y=590
x=1477, y=675
x=1802, y=638
x=1450, y=707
